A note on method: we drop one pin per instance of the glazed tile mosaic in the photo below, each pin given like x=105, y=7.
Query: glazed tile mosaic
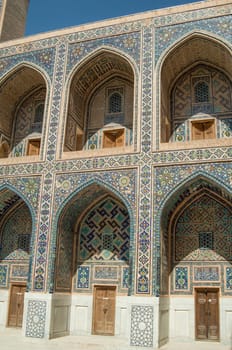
x=141, y=325
x=138, y=200
x=36, y=318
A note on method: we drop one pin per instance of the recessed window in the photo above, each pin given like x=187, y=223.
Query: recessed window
x=113, y=138
x=39, y=111
x=24, y=242
x=201, y=92
x=115, y=103
x=202, y=130
x=205, y=240
x=33, y=148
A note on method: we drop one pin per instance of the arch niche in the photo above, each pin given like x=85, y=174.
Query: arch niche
x=101, y=104
x=196, y=91
x=94, y=240
x=22, y=101
x=195, y=255
x=15, y=255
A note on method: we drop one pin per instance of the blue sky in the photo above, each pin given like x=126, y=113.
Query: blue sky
x=47, y=15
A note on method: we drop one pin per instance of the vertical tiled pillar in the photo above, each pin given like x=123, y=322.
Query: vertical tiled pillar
x=144, y=310
x=38, y=305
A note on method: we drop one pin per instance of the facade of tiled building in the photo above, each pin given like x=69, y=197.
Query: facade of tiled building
x=116, y=178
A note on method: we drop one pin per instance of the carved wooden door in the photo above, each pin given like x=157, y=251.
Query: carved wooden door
x=207, y=314
x=104, y=310
x=15, y=317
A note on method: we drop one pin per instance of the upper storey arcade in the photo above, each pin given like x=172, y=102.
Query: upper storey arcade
x=99, y=101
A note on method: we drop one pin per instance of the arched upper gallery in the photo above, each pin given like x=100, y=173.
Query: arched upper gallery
x=101, y=104
x=22, y=101
x=196, y=91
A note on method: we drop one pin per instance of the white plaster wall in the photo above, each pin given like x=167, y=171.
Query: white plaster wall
x=163, y=320
x=82, y=311
x=4, y=300
x=60, y=315
x=226, y=320
x=182, y=319
x=182, y=322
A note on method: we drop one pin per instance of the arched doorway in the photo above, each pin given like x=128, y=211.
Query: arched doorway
x=92, y=261
x=196, y=261
x=15, y=239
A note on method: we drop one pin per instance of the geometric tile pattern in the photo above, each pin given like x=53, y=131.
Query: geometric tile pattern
x=129, y=43
x=184, y=106
x=105, y=219
x=114, y=218
x=36, y=318
x=204, y=215
x=44, y=58
x=128, y=176
x=141, y=333
x=17, y=227
x=175, y=183
x=167, y=35
x=144, y=239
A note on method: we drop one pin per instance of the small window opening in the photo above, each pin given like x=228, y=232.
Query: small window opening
x=24, y=242
x=39, y=111
x=33, y=148
x=201, y=92
x=113, y=138
x=115, y=103
x=202, y=130
x=107, y=241
x=205, y=240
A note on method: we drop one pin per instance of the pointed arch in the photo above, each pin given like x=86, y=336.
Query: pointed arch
x=68, y=222
x=18, y=218
x=182, y=196
x=16, y=97
x=194, y=48
x=104, y=69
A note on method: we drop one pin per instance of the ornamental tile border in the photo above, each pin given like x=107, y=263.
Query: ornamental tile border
x=144, y=234
x=167, y=36
x=42, y=58
x=4, y=275
x=169, y=180
x=122, y=183
x=128, y=43
x=193, y=15
x=191, y=157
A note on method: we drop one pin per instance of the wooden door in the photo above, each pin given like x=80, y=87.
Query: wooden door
x=104, y=310
x=203, y=130
x=33, y=147
x=15, y=317
x=207, y=314
x=114, y=138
